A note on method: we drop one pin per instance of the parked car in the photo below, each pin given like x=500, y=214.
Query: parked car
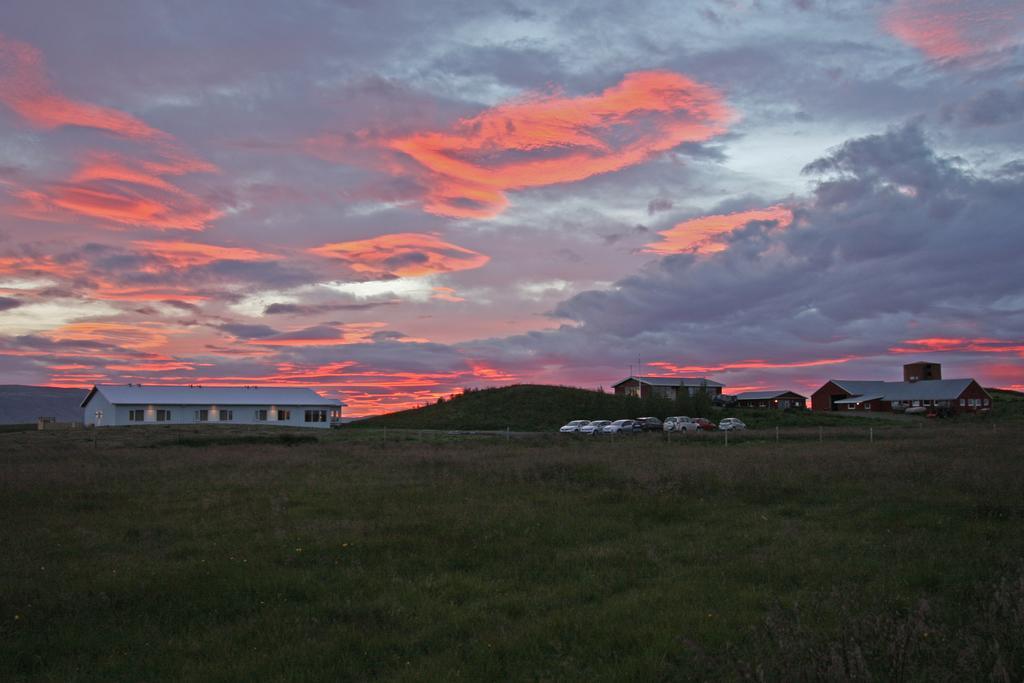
x=649, y=424
x=594, y=427
x=723, y=400
x=705, y=425
x=574, y=426
x=621, y=427
x=731, y=423
x=679, y=424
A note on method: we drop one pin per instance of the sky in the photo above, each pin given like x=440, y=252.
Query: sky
x=394, y=201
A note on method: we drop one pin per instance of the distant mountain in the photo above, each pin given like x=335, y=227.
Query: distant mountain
x=20, y=404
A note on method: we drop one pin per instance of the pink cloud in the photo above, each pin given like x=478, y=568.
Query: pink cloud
x=404, y=254
x=543, y=139
x=949, y=29
x=111, y=190
x=26, y=90
x=704, y=234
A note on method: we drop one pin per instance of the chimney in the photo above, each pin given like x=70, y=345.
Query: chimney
x=921, y=371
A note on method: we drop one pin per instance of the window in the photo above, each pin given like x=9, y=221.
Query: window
x=984, y=401
x=226, y=415
x=261, y=414
x=867, y=406
x=850, y=406
x=316, y=416
x=202, y=415
x=283, y=415
x=963, y=402
x=136, y=415
x=163, y=415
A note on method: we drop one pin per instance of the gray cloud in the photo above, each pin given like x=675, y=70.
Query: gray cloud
x=244, y=331
x=7, y=303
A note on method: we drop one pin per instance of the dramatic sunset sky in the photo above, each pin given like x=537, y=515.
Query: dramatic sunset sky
x=392, y=201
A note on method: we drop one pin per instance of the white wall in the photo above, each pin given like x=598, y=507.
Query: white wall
x=185, y=414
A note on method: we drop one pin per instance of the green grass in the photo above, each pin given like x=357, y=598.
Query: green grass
x=399, y=557
x=19, y=427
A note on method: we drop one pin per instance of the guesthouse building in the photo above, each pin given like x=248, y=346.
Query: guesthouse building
x=115, y=405
x=911, y=395
x=778, y=399
x=666, y=387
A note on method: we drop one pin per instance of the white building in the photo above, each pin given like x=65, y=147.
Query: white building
x=115, y=405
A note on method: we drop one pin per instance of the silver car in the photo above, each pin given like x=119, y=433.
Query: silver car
x=573, y=427
x=594, y=427
x=619, y=426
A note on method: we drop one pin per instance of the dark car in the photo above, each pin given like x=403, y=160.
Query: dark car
x=649, y=424
x=705, y=424
x=723, y=400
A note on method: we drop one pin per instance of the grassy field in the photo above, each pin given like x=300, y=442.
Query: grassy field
x=231, y=554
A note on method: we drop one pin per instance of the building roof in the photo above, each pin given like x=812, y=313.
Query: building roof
x=765, y=395
x=137, y=394
x=923, y=390
x=673, y=381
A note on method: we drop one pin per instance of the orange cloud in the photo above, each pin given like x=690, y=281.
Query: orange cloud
x=446, y=294
x=405, y=254
x=323, y=335
x=937, y=344
x=547, y=138
x=948, y=29
x=484, y=371
x=190, y=254
x=702, y=235
x=25, y=89
x=110, y=188
x=119, y=191
x=129, y=336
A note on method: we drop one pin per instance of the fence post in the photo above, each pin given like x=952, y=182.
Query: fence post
x=508, y=434
x=871, y=434
x=820, y=435
x=776, y=432
x=385, y=438
x=726, y=437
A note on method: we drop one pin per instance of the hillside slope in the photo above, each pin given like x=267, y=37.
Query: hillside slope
x=520, y=407
x=22, y=404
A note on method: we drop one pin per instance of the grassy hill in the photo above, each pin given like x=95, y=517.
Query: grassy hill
x=1007, y=404
x=520, y=407
x=537, y=407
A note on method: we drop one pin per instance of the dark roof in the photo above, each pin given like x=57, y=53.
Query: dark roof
x=923, y=390
x=764, y=395
x=673, y=381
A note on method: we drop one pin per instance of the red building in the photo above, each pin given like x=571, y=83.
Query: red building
x=770, y=399
x=916, y=395
x=666, y=387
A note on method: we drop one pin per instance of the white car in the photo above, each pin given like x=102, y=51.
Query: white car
x=680, y=424
x=574, y=426
x=731, y=423
x=619, y=426
x=594, y=427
